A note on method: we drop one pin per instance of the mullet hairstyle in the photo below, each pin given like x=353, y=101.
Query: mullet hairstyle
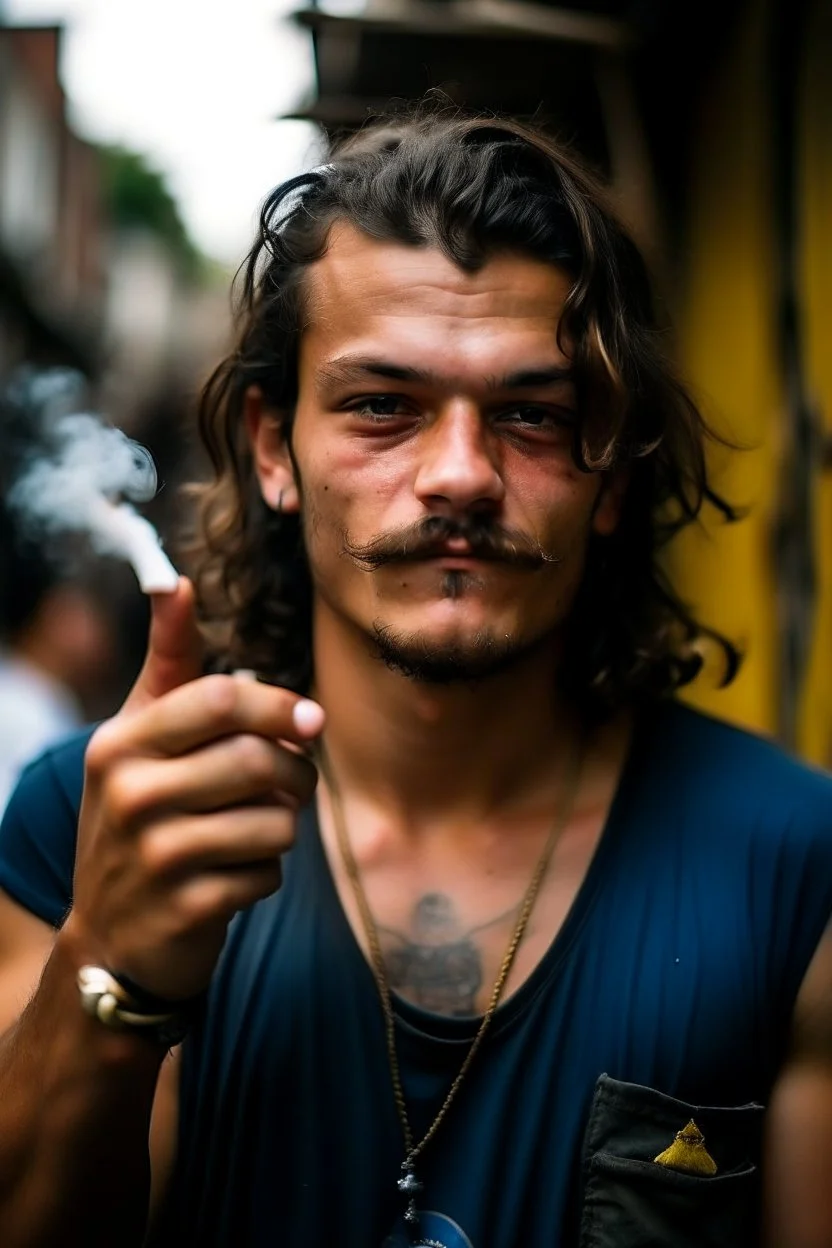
x=470, y=186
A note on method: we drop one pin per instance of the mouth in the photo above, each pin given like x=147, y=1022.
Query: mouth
x=456, y=546
x=456, y=552
x=473, y=564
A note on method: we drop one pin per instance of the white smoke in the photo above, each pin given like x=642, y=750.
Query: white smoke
x=86, y=482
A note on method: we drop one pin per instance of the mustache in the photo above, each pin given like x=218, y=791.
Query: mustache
x=426, y=538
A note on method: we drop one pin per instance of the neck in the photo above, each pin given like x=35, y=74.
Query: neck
x=425, y=751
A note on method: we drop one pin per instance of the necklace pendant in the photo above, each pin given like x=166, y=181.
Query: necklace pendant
x=408, y=1183
x=409, y=1186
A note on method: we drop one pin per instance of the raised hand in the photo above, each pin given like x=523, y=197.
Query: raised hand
x=191, y=797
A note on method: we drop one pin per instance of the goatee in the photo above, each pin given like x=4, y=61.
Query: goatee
x=456, y=662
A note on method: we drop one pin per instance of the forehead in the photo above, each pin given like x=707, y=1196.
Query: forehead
x=367, y=295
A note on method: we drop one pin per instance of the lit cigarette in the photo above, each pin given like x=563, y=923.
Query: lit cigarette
x=126, y=533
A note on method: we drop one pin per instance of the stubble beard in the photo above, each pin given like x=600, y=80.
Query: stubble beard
x=471, y=661
x=466, y=660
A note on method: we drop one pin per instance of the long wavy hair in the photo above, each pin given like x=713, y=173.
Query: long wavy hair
x=470, y=186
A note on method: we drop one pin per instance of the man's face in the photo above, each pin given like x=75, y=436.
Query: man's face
x=444, y=517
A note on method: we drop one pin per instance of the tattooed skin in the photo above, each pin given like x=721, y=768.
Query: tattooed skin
x=438, y=966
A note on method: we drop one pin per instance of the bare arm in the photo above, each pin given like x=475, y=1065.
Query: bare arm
x=798, y=1193
x=75, y=1104
x=25, y=946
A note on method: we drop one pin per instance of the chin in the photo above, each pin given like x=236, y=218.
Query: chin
x=460, y=659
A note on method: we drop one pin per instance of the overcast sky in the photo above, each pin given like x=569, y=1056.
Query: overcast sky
x=196, y=86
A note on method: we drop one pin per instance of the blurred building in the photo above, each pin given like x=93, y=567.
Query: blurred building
x=166, y=307
x=96, y=269
x=51, y=262
x=713, y=124
x=97, y=274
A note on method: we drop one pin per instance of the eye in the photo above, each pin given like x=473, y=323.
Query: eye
x=535, y=416
x=379, y=407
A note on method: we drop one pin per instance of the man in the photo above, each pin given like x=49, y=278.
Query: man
x=544, y=959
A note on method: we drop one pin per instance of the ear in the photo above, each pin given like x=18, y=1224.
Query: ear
x=266, y=429
x=610, y=502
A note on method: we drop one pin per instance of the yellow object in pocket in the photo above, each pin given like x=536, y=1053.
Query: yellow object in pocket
x=688, y=1152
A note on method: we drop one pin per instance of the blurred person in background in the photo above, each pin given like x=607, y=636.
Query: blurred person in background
x=546, y=960
x=56, y=649
x=57, y=646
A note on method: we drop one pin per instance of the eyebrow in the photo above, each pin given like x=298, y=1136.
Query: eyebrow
x=346, y=370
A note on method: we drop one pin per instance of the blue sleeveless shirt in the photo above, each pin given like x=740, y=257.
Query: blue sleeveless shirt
x=666, y=996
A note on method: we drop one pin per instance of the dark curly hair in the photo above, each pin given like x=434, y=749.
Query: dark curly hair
x=470, y=186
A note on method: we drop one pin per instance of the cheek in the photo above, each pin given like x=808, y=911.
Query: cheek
x=338, y=505
x=347, y=488
x=558, y=504
x=374, y=471
x=325, y=516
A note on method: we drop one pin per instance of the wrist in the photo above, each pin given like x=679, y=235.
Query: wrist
x=122, y=1005
x=77, y=1041
x=115, y=1002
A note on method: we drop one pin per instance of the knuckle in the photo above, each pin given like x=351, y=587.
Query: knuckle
x=282, y=829
x=201, y=903
x=221, y=695
x=126, y=795
x=281, y=704
x=255, y=758
x=160, y=851
x=285, y=701
x=102, y=749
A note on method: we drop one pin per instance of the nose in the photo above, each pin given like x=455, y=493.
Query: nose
x=459, y=466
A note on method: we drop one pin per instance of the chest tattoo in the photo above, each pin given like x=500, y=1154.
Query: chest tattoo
x=439, y=965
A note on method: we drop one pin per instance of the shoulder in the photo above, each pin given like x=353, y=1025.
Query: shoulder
x=750, y=776
x=753, y=823
x=39, y=826
x=57, y=772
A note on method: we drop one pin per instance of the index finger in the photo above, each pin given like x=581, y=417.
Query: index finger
x=174, y=648
x=217, y=706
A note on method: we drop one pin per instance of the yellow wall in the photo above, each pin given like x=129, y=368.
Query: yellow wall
x=729, y=356
x=815, y=725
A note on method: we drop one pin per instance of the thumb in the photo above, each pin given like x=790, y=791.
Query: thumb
x=174, y=648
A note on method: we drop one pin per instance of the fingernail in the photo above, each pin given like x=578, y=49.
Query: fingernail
x=308, y=717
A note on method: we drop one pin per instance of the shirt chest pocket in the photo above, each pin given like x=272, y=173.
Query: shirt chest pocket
x=704, y=1190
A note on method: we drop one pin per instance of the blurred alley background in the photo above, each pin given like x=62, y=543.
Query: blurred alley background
x=138, y=139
